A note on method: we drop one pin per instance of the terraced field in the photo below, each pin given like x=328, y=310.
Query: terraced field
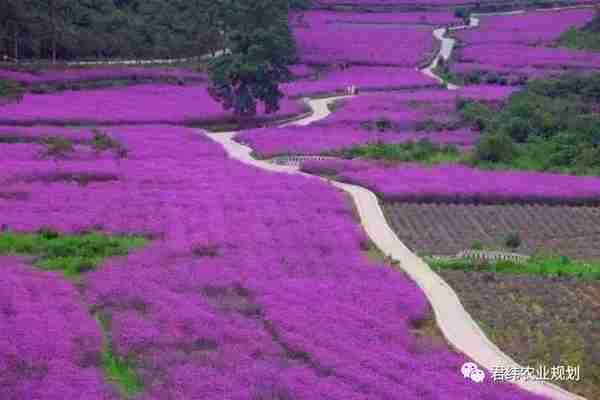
x=538, y=320
x=445, y=229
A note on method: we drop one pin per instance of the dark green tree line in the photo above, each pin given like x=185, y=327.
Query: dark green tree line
x=70, y=29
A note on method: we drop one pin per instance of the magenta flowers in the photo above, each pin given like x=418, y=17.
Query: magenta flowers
x=520, y=45
x=456, y=183
x=135, y=104
x=254, y=286
x=364, y=78
x=319, y=41
x=100, y=73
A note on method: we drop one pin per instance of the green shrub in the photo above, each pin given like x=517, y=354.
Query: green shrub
x=462, y=12
x=517, y=128
x=495, y=148
x=58, y=147
x=10, y=89
x=422, y=150
x=477, y=245
x=476, y=113
x=512, y=240
x=72, y=254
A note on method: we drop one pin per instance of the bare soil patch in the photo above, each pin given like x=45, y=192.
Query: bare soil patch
x=537, y=320
x=446, y=229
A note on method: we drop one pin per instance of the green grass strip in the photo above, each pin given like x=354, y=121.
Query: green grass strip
x=71, y=254
x=421, y=150
x=118, y=370
x=538, y=266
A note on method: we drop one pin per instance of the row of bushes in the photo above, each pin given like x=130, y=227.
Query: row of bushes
x=552, y=125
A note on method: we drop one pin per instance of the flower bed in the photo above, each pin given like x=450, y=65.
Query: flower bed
x=136, y=104
x=96, y=74
x=520, y=45
x=49, y=339
x=323, y=42
x=331, y=17
x=265, y=271
x=460, y=184
x=405, y=110
x=319, y=139
x=364, y=78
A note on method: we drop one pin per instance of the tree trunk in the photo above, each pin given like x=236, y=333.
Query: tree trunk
x=53, y=27
x=16, y=44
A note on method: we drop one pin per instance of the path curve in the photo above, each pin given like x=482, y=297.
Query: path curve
x=447, y=44
x=459, y=329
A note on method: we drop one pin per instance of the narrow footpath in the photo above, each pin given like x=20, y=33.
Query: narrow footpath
x=457, y=325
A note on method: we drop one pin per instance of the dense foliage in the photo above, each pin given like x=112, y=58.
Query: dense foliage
x=259, y=47
x=587, y=38
x=73, y=254
x=550, y=125
x=68, y=29
x=10, y=89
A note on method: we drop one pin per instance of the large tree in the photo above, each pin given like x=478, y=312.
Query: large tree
x=259, y=48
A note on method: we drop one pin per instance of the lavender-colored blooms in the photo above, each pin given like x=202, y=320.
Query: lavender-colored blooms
x=319, y=42
x=41, y=132
x=364, y=78
x=411, y=18
x=456, y=183
x=532, y=28
x=520, y=45
x=522, y=59
x=50, y=345
x=254, y=287
x=398, y=108
x=95, y=74
x=135, y=104
x=318, y=139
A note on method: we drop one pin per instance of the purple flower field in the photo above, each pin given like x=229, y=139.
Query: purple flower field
x=441, y=18
x=520, y=45
x=456, y=183
x=318, y=139
x=405, y=109
x=288, y=305
x=95, y=74
x=49, y=339
x=364, y=78
x=253, y=285
x=366, y=44
x=135, y=104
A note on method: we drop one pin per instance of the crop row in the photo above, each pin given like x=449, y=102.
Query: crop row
x=319, y=42
x=461, y=184
x=446, y=229
x=265, y=272
x=135, y=104
x=522, y=45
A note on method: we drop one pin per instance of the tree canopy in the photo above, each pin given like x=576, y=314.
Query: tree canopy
x=259, y=47
x=68, y=29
